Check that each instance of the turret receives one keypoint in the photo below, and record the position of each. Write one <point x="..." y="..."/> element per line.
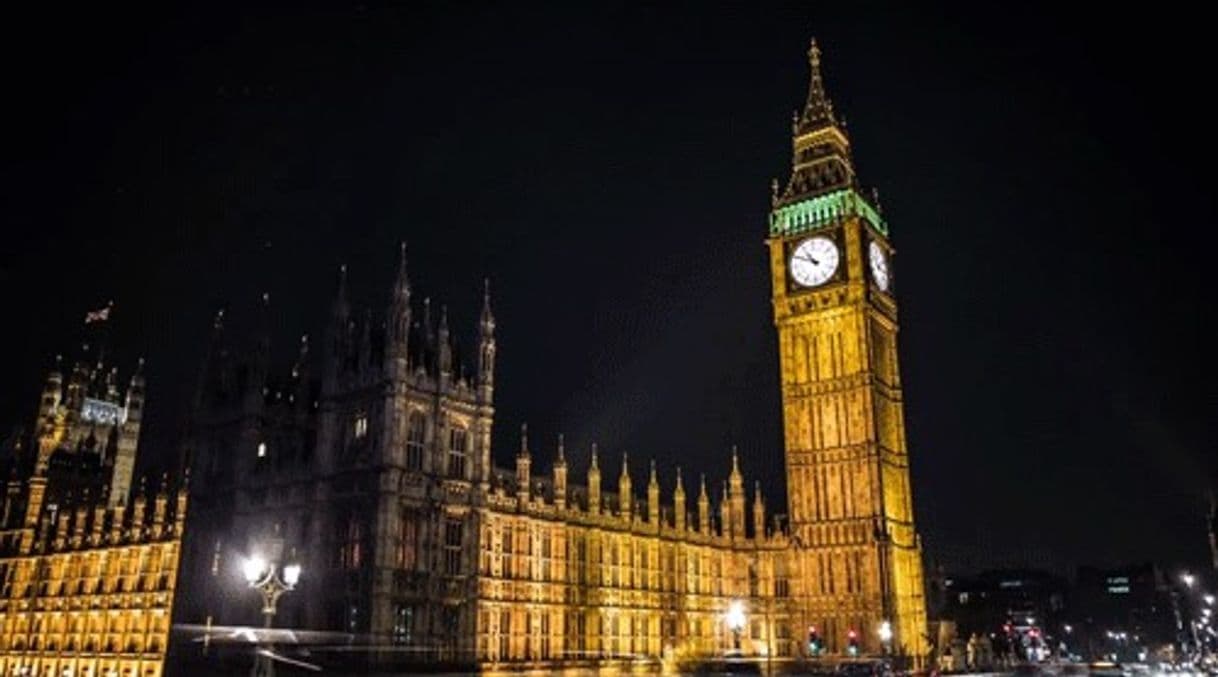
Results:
<point x="99" y="518"/>
<point x="678" y="503"/>
<point x="560" y="477"/>
<point x="736" y="498"/>
<point x="210" y="378"/>
<point x="79" y="518"/>
<point x="703" y="507"/>
<point x="486" y="347"/>
<point x="337" y="337"/>
<point x="625" y="494"/>
<point x="112" y="385"/>
<point x="444" y="361"/>
<point x="653" y="497"/>
<point x="594" y="484"/>
<point x="758" y="513"/>
<point x="52" y="391"/>
<point x="523" y="466"/>
<point x="134" y="403"/>
<point x="397" y="329"/>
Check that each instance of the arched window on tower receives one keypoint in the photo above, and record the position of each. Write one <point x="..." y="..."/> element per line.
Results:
<point x="458" y="441"/>
<point x="416" y="434"/>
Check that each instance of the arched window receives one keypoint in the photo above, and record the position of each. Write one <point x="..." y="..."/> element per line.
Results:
<point x="416" y="433"/>
<point x="458" y="441"/>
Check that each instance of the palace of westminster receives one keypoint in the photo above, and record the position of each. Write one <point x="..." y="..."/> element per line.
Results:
<point x="369" y="463"/>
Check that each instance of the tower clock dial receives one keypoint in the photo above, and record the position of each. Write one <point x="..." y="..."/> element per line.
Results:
<point x="879" y="265"/>
<point x="814" y="261"/>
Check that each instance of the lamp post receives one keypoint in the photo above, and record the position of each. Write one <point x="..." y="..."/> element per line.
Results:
<point x="736" y="620"/>
<point x="885" y="633"/>
<point x="272" y="580"/>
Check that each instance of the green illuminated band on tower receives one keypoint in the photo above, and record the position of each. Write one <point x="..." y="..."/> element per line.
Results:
<point x="824" y="210"/>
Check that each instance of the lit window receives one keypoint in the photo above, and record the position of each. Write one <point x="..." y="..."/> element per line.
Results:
<point x="964" y="598"/>
<point x="360" y="428"/>
<point x="403" y="624"/>
<point x="262" y="450"/>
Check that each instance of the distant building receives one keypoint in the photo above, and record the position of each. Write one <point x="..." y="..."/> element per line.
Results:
<point x="1122" y="611"/>
<point x="88" y="571"/>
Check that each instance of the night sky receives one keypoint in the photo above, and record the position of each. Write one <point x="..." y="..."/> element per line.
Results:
<point x="1048" y="180"/>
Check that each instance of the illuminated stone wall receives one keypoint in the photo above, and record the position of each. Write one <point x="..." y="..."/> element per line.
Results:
<point x="856" y="550"/>
<point x="88" y="588"/>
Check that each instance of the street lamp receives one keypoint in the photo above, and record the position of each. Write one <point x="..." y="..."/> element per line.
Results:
<point x="1188" y="579"/>
<point x="885" y="633"/>
<point x="271" y="580"/>
<point x="1209" y="599"/>
<point x="735" y="620"/>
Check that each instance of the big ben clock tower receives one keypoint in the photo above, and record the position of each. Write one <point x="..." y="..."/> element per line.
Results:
<point x="857" y="555"/>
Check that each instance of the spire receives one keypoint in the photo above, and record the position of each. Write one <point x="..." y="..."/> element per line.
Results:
<point x="678" y="503"/>
<point x="486" y="320"/>
<point x="339" y="310"/>
<point x="594" y="484"/>
<point x="703" y="507"/>
<point x="821" y="159"/>
<point x="401" y="285"/>
<point x="735" y="464"/>
<point x="560" y="476"/>
<point x="428" y="336"/>
<point x="818" y="110"/>
<point x="445" y="359"/>
<point x="398" y="320"/>
<point x="625" y="494"/>
<point x="653" y="497"/>
<point x="486" y="343"/>
<point x="523" y="465"/>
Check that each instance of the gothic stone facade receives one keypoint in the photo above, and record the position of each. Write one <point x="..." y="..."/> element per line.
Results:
<point x="88" y="575"/>
<point x="377" y="477"/>
<point x="857" y="553"/>
<point x="371" y="459"/>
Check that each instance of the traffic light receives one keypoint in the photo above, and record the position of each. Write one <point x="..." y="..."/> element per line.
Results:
<point x="814" y="644"/>
<point x="852" y="642"/>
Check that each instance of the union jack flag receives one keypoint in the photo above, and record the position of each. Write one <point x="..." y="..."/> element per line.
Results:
<point x="99" y="315"/>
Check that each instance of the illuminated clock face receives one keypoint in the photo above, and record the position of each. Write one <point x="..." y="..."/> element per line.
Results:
<point x="879" y="265"/>
<point x="814" y="261"/>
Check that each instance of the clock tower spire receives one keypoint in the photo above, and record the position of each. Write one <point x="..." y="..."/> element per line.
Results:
<point x="857" y="558"/>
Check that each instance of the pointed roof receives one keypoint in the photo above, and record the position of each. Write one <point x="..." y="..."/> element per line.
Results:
<point x="486" y="320"/>
<point x="401" y="284"/>
<point x="818" y="110"/>
<point x="340" y="309"/>
<point x="821" y="164"/>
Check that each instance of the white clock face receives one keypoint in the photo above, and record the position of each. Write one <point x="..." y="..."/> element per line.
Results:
<point x="879" y="265"/>
<point x="814" y="261"/>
